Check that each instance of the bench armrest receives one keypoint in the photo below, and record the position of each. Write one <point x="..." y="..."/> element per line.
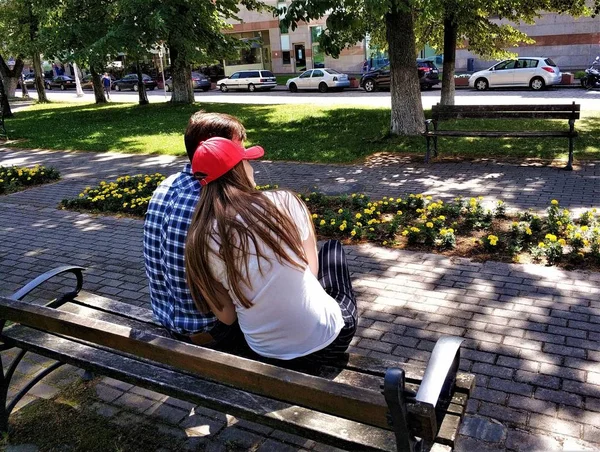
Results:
<point x="441" y="370"/>
<point x="30" y="286"/>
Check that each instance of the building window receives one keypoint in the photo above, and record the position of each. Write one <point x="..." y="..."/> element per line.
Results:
<point x="286" y="56"/>
<point x="318" y="56"/>
<point x="282" y="7"/>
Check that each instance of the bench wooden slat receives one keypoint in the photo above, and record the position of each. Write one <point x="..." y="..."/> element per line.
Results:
<point x="349" y="402"/>
<point x="499" y="134"/>
<point x="279" y="415"/>
<point x="115" y="307"/>
<point x="446" y="115"/>
<point x="535" y="107"/>
<point x="91" y="313"/>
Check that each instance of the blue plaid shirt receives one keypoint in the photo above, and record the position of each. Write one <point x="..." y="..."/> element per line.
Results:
<point x="167" y="221"/>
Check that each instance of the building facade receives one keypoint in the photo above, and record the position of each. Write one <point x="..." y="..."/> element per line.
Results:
<point x="571" y="42"/>
<point x="284" y="51"/>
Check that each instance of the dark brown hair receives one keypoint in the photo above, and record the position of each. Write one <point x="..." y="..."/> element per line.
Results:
<point x="203" y="126"/>
<point x="232" y="212"/>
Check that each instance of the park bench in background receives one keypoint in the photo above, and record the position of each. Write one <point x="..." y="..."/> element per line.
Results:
<point x="441" y="113"/>
<point x="340" y="404"/>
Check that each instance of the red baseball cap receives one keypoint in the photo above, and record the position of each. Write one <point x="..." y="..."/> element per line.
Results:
<point x="217" y="155"/>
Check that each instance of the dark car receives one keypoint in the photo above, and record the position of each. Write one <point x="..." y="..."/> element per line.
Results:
<point x="61" y="81"/>
<point x="199" y="81"/>
<point x="86" y="81"/>
<point x="380" y="78"/>
<point x="130" y="81"/>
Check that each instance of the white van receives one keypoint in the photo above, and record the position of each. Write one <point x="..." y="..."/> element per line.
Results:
<point x="250" y="80"/>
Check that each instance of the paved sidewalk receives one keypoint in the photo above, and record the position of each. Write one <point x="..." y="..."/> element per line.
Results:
<point x="532" y="332"/>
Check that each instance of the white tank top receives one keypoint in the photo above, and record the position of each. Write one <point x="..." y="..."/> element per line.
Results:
<point x="291" y="314"/>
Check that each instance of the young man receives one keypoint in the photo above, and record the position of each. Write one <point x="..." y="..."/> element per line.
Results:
<point x="165" y="229"/>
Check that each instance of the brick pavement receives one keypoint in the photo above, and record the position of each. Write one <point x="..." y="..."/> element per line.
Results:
<point x="532" y="333"/>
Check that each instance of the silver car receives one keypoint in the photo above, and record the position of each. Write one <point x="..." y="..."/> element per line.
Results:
<point x="321" y="79"/>
<point x="536" y="73"/>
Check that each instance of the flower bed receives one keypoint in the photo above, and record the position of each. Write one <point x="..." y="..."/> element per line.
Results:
<point x="16" y="178"/>
<point x="461" y="227"/>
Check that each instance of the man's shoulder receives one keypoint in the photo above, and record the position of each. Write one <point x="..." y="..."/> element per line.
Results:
<point x="178" y="190"/>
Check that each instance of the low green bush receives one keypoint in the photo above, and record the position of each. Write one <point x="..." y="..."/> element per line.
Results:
<point x="16" y="178"/>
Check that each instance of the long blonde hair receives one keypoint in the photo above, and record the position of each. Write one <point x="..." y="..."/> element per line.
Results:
<point x="233" y="210"/>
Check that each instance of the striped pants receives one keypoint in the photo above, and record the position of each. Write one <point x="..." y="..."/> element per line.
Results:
<point x="335" y="279"/>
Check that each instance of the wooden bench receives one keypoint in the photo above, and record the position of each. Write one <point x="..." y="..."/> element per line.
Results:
<point x="359" y="403"/>
<point x="453" y="112"/>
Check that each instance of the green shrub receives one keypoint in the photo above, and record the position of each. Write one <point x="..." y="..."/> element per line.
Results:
<point x="15" y="178"/>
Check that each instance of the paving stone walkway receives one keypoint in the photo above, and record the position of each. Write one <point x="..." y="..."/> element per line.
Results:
<point x="532" y="332"/>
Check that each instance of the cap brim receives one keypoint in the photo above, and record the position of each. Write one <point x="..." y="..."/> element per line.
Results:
<point x="254" y="152"/>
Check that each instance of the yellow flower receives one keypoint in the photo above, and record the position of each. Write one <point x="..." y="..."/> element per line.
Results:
<point x="322" y="223"/>
<point x="307" y="199"/>
<point x="584" y="228"/>
<point x="442" y="218"/>
<point x="541" y="245"/>
<point x="405" y="232"/>
<point x="515" y="224"/>
<point x="398" y="199"/>
<point x="358" y="216"/>
<point x="428" y="197"/>
<point x="493" y="239"/>
<point x="562" y="242"/>
<point x="554" y="202"/>
<point x="384" y="242"/>
<point x="528" y="231"/>
<point x="371" y="229"/>
<point x="551" y="237"/>
<point x="580" y="254"/>
<point x="443" y="231"/>
<point x="414" y="229"/>
<point x="399" y="212"/>
<point x="586" y="242"/>
<point x="451" y="231"/>
<point x="341" y="211"/>
<point x="429" y="224"/>
<point x="353" y="233"/>
<point x="342" y="227"/>
<point x="314" y="215"/>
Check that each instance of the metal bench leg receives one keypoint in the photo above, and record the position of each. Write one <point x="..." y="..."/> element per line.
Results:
<point x="396" y="399"/>
<point x="435" y="149"/>
<point x="569" y="166"/>
<point x="5" y="378"/>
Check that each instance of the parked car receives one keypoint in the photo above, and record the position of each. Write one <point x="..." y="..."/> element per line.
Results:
<point x="130" y="81"/>
<point x="380" y="78"/>
<point x="321" y="79"/>
<point x="199" y="81"/>
<point x="534" y="72"/>
<point x="250" y="80"/>
<point x="61" y="81"/>
<point x="29" y="80"/>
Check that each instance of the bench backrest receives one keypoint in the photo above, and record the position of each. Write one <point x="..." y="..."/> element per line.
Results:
<point x="553" y="111"/>
<point x="345" y="399"/>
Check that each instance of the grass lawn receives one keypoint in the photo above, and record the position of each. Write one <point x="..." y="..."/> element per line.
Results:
<point x="308" y="133"/>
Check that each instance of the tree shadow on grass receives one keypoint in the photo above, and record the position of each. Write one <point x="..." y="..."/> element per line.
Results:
<point x="295" y="133"/>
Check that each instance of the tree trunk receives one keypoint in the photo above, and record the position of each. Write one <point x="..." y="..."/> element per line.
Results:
<point x="39" y="78"/>
<point x="141" y="88"/>
<point x="407" y="109"/>
<point x="450" y="34"/>
<point x="7" y="113"/>
<point x="181" y="71"/>
<point x="11" y="76"/>
<point x="97" y="84"/>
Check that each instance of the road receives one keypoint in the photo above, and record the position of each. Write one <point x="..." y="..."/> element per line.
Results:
<point x="589" y="100"/>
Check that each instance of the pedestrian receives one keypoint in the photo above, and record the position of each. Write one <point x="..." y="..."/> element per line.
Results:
<point x="166" y="226"/>
<point x="106" y="82"/>
<point x="251" y="258"/>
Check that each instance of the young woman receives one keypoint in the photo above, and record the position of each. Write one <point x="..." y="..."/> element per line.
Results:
<point x="252" y="256"/>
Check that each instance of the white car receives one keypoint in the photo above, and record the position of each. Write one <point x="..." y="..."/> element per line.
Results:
<point x="537" y="73"/>
<point x="321" y="79"/>
<point x="250" y="80"/>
